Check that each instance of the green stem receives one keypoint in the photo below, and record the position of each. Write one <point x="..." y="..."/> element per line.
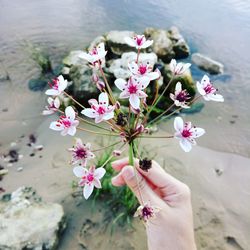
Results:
<point x="131" y="153"/>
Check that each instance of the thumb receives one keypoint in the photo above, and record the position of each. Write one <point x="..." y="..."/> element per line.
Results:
<point x="138" y="185"/>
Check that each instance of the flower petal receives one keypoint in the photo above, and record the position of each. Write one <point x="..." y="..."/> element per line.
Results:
<point x="108" y="115"/>
<point x="52" y="92"/>
<point x="147" y="44"/>
<point x="133" y="67"/>
<point x="120" y="84"/>
<point x="197" y="132"/>
<point x="97" y="183"/>
<point x="178" y="87"/>
<point x="172" y="65"/>
<point x="71" y="130"/>
<point x="91" y="113"/>
<point x="205" y="81"/>
<point x="93" y="102"/>
<point x="144" y="82"/>
<point x="153" y="75"/>
<point x="131" y="42"/>
<point x="99" y="173"/>
<point x="103" y="99"/>
<point x="70" y="113"/>
<point x="99" y="118"/>
<point x="185" y="145"/>
<point x="87" y="190"/>
<point x="134" y="101"/>
<point x="48" y="112"/>
<point x="178" y="124"/>
<point x="57" y="102"/>
<point x="216" y="97"/>
<point x="80" y="171"/>
<point x="57" y="126"/>
<point x="124" y="94"/>
<point x="200" y="88"/>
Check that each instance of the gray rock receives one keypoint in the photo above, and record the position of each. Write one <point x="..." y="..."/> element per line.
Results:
<point x="116" y="43"/>
<point x="4" y="76"/>
<point x="119" y="67"/>
<point x="29" y="223"/>
<point x="74" y="59"/>
<point x="37" y="84"/>
<point x="65" y="70"/>
<point x="162" y="45"/>
<point x="180" y="46"/>
<point x="96" y="41"/>
<point x="83" y="87"/>
<point x="207" y="64"/>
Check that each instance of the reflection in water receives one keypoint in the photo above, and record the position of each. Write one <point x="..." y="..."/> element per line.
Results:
<point x="220" y="29"/>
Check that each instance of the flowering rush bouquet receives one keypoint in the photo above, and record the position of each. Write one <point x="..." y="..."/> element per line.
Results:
<point x="128" y="123"/>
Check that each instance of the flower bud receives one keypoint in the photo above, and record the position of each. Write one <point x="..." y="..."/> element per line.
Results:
<point x="140" y="128"/>
<point x="117" y="105"/>
<point x="100" y="85"/>
<point x="135" y="111"/>
<point x="117" y="152"/>
<point x="95" y="78"/>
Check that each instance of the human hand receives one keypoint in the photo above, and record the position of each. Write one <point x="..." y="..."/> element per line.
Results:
<point x="172" y="227"/>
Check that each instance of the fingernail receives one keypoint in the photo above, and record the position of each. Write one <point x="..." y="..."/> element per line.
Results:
<point x="128" y="172"/>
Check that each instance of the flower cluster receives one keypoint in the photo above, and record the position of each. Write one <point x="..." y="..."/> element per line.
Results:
<point x="126" y="124"/>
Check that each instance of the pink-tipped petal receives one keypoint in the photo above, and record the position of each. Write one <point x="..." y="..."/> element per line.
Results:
<point x="70" y="113"/>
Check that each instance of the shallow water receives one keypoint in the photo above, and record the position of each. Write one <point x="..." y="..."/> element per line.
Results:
<point x="220" y="29"/>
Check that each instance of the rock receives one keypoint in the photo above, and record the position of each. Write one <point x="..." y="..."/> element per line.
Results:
<point x="4" y="76"/>
<point x="180" y="46"/>
<point x="162" y="45"/>
<point x="37" y="84"/>
<point x="116" y="43"/>
<point x="207" y="64"/>
<point x="42" y="59"/>
<point x="74" y="59"/>
<point x="96" y="41"/>
<point x="119" y="67"/>
<point x="65" y="70"/>
<point x="83" y="87"/>
<point x="29" y="223"/>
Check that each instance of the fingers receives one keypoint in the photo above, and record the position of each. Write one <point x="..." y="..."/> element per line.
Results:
<point x="156" y="175"/>
<point x="136" y="183"/>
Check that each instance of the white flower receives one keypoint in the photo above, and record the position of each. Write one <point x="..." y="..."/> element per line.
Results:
<point x="66" y="123"/>
<point x="81" y="153"/>
<point x="96" y="54"/>
<point x="89" y="178"/>
<point x="180" y="96"/>
<point x="143" y="69"/>
<point x="53" y="106"/>
<point x="207" y="90"/>
<point x="58" y="85"/>
<point x="133" y="89"/>
<point x="138" y="41"/>
<point x="100" y="111"/>
<point x="178" y="68"/>
<point x="186" y="133"/>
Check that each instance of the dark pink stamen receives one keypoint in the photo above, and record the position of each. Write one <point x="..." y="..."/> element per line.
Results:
<point x="132" y="89"/>
<point x="90" y="177"/>
<point x="142" y="69"/>
<point x="186" y="133"/>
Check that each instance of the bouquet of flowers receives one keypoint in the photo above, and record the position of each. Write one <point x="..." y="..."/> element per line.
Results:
<point x="128" y="123"/>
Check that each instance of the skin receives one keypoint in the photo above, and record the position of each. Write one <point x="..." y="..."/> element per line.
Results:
<point x="172" y="226"/>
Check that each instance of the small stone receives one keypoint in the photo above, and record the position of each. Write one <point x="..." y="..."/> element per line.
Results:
<point x="232" y="122"/>
<point x="207" y="64"/>
<point x="38" y="84"/>
<point x="65" y="70"/>
<point x="218" y="171"/>
<point x="5" y="110"/>
<point x="20" y="169"/>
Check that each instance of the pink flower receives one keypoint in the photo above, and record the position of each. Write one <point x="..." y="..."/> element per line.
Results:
<point x="100" y="111"/>
<point x="96" y="54"/>
<point x="146" y="212"/>
<point x="133" y="89"/>
<point x="143" y="70"/>
<point x="66" y="123"/>
<point x="178" y="68"/>
<point x="186" y="133"/>
<point x="81" y="153"/>
<point x="138" y="41"/>
<point x="208" y="91"/>
<point x="53" y="106"/>
<point x="180" y="96"/>
<point x="58" y="85"/>
<point x="89" y="178"/>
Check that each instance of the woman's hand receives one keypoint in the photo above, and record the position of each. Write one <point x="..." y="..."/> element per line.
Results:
<point x="172" y="226"/>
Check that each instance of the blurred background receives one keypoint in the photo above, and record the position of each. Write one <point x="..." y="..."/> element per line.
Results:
<point x="217" y="171"/>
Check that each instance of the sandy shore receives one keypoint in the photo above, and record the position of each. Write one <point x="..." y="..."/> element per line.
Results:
<point x="219" y="183"/>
